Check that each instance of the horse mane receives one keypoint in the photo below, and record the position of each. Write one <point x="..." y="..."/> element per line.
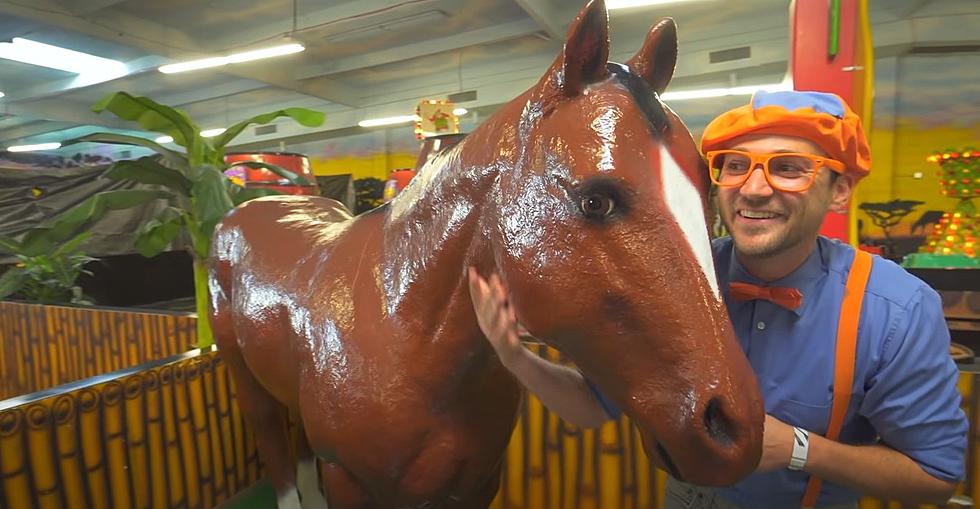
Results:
<point x="646" y="98"/>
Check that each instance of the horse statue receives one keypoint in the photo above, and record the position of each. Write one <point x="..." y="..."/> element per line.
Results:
<point x="587" y="195"/>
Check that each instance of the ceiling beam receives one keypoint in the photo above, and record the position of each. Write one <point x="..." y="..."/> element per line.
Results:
<point x="546" y="15"/>
<point x="219" y="91"/>
<point x="86" y="7"/>
<point x="33" y="128"/>
<point x="486" y="35"/>
<point x="113" y="26"/>
<point x="60" y="87"/>
<point x="63" y="111"/>
<point x="280" y="74"/>
<point x="315" y="20"/>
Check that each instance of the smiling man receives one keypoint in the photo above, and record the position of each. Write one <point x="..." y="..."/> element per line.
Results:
<point x="859" y="387"/>
<point x="780" y="163"/>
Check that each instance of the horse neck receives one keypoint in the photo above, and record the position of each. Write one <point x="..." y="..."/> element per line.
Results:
<point x="431" y="235"/>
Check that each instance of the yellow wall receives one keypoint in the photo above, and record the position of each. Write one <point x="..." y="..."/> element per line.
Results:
<point x="377" y="165"/>
<point x="897" y="154"/>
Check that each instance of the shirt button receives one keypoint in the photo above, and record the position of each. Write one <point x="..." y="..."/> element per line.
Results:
<point x="761" y="326"/>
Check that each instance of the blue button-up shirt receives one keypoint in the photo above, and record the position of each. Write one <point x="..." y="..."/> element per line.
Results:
<point x="905" y="382"/>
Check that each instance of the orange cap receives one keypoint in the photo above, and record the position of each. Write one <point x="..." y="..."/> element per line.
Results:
<point x="820" y="117"/>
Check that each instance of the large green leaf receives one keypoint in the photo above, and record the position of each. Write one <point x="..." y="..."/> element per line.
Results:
<point x="73" y="244"/>
<point x="40" y="240"/>
<point x="151" y="115"/>
<point x="176" y="159"/>
<point x="243" y="195"/>
<point x="66" y="224"/>
<point x="293" y="178"/>
<point x="11" y="281"/>
<point x="210" y="199"/>
<point x="306" y="117"/>
<point x="9" y="245"/>
<point x="160" y="232"/>
<point x="147" y="170"/>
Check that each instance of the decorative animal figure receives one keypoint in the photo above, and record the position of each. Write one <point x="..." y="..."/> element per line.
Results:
<point x="587" y="195"/>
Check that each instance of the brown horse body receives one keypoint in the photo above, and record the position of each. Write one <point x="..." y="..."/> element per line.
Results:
<point x="587" y="195"/>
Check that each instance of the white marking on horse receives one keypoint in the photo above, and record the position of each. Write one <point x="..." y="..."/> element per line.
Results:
<point x="684" y="202"/>
<point x="288" y="500"/>
<point x="307" y="482"/>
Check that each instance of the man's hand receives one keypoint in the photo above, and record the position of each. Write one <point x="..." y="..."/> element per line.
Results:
<point x="777" y="445"/>
<point x="495" y="316"/>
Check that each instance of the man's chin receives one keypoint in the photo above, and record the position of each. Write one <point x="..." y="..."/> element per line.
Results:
<point x="757" y="246"/>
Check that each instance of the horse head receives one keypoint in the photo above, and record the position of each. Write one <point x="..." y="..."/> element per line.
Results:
<point x="596" y="222"/>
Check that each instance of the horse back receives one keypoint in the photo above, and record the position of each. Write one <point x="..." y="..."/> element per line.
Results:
<point x="264" y="256"/>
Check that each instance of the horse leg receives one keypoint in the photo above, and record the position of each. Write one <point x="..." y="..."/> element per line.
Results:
<point x="343" y="490"/>
<point x="268" y="420"/>
<point x="307" y="479"/>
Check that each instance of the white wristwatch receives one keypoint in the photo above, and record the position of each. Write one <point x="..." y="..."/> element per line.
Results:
<point x="801" y="447"/>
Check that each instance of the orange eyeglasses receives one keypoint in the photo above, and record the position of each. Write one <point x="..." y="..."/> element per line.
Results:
<point x="793" y="172"/>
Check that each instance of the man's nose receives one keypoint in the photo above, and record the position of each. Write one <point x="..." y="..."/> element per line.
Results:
<point x="756" y="184"/>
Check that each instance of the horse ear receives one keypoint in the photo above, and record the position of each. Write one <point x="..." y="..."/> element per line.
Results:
<point x="586" y="50"/>
<point x="656" y="59"/>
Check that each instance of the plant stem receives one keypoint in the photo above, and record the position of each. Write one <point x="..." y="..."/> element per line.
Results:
<point x="204" y="336"/>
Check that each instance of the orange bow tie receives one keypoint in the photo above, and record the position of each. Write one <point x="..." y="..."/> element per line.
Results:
<point x="789" y="298"/>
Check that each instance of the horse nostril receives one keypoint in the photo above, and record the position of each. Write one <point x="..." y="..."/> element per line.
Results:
<point x="717" y="424"/>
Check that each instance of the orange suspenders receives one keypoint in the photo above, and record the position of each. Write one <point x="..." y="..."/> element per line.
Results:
<point x="846" y="352"/>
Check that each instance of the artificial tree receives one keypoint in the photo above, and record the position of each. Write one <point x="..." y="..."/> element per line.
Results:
<point x="953" y="240"/>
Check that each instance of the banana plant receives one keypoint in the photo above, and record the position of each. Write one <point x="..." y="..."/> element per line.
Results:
<point x="198" y="190"/>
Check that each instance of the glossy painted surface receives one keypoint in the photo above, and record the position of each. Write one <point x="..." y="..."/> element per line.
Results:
<point x="587" y="195"/>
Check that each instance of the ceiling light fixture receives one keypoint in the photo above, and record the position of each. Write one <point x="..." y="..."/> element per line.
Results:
<point x="234" y="58"/>
<point x="683" y="95"/>
<point x="207" y="133"/>
<point x="56" y="57"/>
<point x="375" y="122"/>
<point x="627" y="4"/>
<point x="459" y="112"/>
<point x="32" y="148"/>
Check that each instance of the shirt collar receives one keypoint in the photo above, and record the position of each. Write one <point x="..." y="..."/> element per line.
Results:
<point x="805" y="278"/>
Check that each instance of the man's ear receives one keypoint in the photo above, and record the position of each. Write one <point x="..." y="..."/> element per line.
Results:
<point x="840" y="193"/>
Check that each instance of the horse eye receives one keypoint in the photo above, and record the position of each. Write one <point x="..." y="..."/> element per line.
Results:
<point x="597" y="206"/>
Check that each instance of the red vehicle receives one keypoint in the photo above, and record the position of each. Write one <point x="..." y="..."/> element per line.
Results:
<point x="266" y="179"/>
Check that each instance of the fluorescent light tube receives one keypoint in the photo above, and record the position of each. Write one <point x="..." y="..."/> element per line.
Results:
<point x="234" y="58"/>
<point x="375" y="122"/>
<point x="682" y="95"/>
<point x="164" y="139"/>
<point x="32" y="148"/>
<point x="275" y="51"/>
<point x="55" y="57"/>
<point x="193" y="65"/>
<point x="207" y="133"/>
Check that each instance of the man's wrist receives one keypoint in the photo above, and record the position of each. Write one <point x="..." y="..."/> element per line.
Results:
<point x="801" y="449"/>
<point x="516" y="360"/>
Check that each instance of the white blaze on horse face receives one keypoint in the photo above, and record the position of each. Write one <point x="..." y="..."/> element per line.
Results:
<point x="684" y="202"/>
